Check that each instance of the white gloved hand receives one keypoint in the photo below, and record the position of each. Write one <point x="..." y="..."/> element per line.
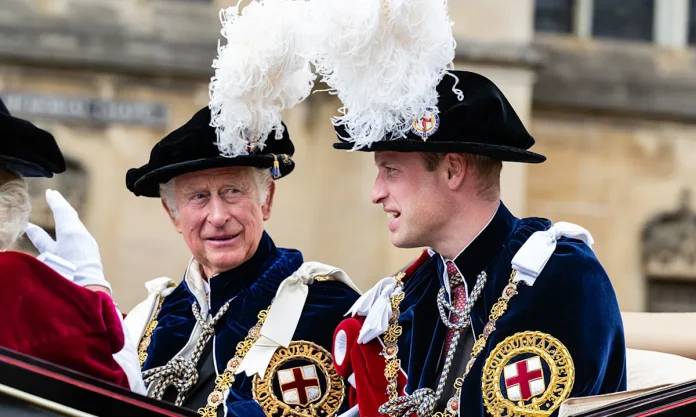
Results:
<point x="73" y="242"/>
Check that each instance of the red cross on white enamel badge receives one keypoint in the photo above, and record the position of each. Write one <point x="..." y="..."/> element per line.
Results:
<point x="524" y="379"/>
<point x="426" y="125"/>
<point x="426" y="122"/>
<point x="300" y="386"/>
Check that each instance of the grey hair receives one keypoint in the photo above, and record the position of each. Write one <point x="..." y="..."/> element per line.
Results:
<point x="15" y="208"/>
<point x="262" y="180"/>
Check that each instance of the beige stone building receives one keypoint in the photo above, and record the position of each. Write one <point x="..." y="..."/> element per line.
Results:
<point x="605" y="87"/>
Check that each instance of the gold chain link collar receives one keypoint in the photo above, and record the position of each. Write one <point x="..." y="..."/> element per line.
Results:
<point x="391" y="349"/>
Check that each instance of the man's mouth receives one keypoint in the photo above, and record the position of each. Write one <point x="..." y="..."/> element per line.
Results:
<point x="391" y="215"/>
<point x="222" y="238"/>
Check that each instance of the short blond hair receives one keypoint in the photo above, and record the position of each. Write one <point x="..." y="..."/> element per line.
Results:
<point x="15" y="207"/>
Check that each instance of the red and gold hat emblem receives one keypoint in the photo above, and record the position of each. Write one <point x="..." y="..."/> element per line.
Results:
<point x="427" y="125"/>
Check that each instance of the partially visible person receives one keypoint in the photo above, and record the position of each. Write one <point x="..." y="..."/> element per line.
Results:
<point x="48" y="307"/>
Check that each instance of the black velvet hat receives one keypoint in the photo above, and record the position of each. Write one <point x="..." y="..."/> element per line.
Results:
<point x="192" y="147"/>
<point x="26" y="149"/>
<point x="483" y="123"/>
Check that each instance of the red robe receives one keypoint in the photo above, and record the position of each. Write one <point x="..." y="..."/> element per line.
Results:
<point x="48" y="317"/>
<point x="364" y="363"/>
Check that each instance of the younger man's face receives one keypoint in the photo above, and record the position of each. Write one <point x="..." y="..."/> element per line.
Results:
<point x="413" y="198"/>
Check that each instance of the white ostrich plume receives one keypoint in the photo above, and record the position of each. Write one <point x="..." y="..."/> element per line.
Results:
<point x="262" y="70"/>
<point x="384" y="60"/>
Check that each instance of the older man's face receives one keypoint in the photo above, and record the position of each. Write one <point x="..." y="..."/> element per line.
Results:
<point x="220" y="216"/>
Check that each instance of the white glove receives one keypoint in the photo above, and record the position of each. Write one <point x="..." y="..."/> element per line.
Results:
<point x="73" y="242"/>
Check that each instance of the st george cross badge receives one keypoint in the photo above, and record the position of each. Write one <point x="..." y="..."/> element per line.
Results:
<point x="301" y="381"/>
<point x="427" y="125"/>
<point x="300" y="385"/>
<point x="528" y="374"/>
<point x="524" y="379"/>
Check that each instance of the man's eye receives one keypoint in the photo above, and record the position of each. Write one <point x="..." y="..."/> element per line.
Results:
<point x="199" y="196"/>
<point x="389" y="170"/>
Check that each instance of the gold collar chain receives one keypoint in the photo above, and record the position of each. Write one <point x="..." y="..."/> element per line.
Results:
<point x="391" y="349"/>
<point x="147" y="336"/>
<point x="224" y="381"/>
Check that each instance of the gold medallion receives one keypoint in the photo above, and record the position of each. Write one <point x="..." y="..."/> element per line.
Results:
<point x="517" y="364"/>
<point x="300" y="386"/>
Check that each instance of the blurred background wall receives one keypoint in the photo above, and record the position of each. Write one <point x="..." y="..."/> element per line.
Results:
<point x="608" y="89"/>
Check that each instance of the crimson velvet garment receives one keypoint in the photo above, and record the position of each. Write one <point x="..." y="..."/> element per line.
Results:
<point x="572" y="300"/>
<point x="48" y="317"/>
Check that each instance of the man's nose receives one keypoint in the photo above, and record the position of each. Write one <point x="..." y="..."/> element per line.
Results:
<point x="218" y="215"/>
<point x="379" y="192"/>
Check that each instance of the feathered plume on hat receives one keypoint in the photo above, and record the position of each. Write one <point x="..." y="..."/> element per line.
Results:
<point x="262" y="70"/>
<point x="384" y="60"/>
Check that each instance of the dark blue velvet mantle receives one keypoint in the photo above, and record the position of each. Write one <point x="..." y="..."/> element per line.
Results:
<point x="572" y="300"/>
<point x="252" y="285"/>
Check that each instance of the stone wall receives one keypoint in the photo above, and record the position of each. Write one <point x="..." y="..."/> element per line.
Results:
<point x="617" y="121"/>
<point x="618" y="77"/>
<point x="611" y="175"/>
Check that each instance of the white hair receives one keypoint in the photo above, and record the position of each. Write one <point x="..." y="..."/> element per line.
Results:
<point x="262" y="180"/>
<point x="15" y="207"/>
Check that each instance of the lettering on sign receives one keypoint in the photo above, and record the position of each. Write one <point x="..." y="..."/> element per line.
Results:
<point x="85" y="109"/>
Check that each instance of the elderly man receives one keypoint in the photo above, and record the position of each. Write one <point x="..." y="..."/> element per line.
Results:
<point x="52" y="314"/>
<point x="236" y="336"/>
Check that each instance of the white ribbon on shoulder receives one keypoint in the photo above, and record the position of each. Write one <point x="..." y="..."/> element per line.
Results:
<point x="375" y="306"/>
<point x="532" y="257"/>
<point x="138" y="318"/>
<point x="284" y="314"/>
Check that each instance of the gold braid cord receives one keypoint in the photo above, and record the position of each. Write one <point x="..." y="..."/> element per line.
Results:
<point x="391" y="349"/>
<point x="224" y="381"/>
<point x="147" y="336"/>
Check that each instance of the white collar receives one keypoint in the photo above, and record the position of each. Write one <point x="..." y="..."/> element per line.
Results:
<point x="199" y="286"/>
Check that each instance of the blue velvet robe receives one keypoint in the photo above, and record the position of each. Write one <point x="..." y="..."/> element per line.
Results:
<point x="252" y="285"/>
<point x="572" y="300"/>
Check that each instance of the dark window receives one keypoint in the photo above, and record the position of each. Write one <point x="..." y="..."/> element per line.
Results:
<point x="553" y="16"/>
<point x="625" y="19"/>
<point x="692" y="22"/>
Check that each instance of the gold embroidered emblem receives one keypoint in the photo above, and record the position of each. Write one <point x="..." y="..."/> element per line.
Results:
<point x="517" y="363"/>
<point x="300" y="386"/>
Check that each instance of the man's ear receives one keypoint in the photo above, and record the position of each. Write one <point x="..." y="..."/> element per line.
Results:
<point x="455" y="166"/>
<point x="268" y="205"/>
<point x="173" y="217"/>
